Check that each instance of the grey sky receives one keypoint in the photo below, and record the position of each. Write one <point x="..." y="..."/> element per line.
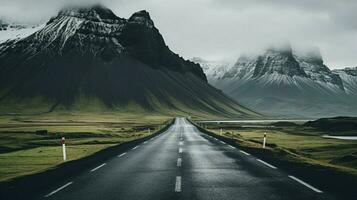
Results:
<point x="223" y="29"/>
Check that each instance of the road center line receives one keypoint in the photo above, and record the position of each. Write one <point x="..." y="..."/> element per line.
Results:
<point x="244" y="152"/>
<point x="305" y="184"/>
<point x="98" y="167"/>
<point x="179" y="162"/>
<point x="180" y="143"/>
<point x="180" y="150"/>
<point x="121" y="155"/>
<point x="267" y="164"/>
<point x="59" y="189"/>
<point x="178" y="184"/>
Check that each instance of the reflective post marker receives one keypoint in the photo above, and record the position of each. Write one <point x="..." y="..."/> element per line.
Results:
<point x="264" y="140"/>
<point x="221" y="132"/>
<point x="64" y="148"/>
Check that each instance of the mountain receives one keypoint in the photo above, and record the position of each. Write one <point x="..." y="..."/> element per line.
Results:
<point x="88" y="56"/>
<point x="289" y="83"/>
<point x="212" y="69"/>
<point x="349" y="79"/>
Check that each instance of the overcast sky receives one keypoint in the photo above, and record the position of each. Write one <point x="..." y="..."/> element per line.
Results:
<point x="223" y="29"/>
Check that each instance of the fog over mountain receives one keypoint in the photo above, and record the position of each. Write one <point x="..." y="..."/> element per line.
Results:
<point x="282" y="81"/>
<point x="216" y="29"/>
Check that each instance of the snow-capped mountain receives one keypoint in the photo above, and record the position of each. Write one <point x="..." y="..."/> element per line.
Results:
<point x="349" y="79"/>
<point x="90" y="53"/>
<point x="213" y="69"/>
<point x="289" y="83"/>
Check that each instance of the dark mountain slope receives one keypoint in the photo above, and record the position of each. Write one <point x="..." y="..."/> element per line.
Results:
<point x="92" y="53"/>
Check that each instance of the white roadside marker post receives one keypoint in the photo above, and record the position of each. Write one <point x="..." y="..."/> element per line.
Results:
<point x="264" y="140"/>
<point x="63" y="142"/>
<point x="149" y="130"/>
<point x="221" y="133"/>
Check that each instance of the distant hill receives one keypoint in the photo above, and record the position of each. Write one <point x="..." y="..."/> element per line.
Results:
<point x="89" y="58"/>
<point x="334" y="124"/>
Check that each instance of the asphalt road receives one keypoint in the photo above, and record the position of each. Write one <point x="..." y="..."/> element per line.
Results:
<point x="183" y="163"/>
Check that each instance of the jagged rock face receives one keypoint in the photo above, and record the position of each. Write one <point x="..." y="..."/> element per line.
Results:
<point x="92" y="52"/>
<point x="273" y="62"/>
<point x="312" y="64"/>
<point x="277" y="61"/>
<point x="288" y="83"/>
<point x="284" y="64"/>
<point x="98" y="32"/>
<point x="349" y="78"/>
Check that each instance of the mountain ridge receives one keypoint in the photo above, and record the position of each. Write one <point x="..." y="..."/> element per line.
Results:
<point x="90" y="52"/>
<point x="285" y="82"/>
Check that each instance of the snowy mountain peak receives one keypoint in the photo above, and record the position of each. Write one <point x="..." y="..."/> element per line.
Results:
<point x="212" y="69"/>
<point x="91" y="30"/>
<point x="94" y="13"/>
<point x="96" y="33"/>
<point x="278" y="60"/>
<point x="274" y="61"/>
<point x="278" y="64"/>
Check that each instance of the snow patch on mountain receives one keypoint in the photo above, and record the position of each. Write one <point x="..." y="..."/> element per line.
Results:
<point x="13" y="32"/>
<point x="349" y="78"/>
<point x="312" y="63"/>
<point x="213" y="69"/>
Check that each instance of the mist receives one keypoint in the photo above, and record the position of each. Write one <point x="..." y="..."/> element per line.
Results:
<point x="223" y="30"/>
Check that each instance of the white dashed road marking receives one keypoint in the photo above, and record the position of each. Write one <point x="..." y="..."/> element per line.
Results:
<point x="59" y="189"/>
<point x="267" y="164"/>
<point x="244" y="152"/>
<point x="178" y="184"/>
<point x="180" y="150"/>
<point x="121" y="155"/>
<point x="135" y="147"/>
<point x="179" y="162"/>
<point x="305" y="184"/>
<point x="98" y="167"/>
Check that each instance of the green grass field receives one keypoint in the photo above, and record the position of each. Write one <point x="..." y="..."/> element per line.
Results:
<point x="297" y="145"/>
<point x="24" y="152"/>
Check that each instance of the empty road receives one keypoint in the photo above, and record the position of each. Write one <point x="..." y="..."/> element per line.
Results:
<point x="183" y="163"/>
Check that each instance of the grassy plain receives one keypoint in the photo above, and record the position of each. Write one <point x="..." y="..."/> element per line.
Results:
<point x="25" y="151"/>
<point x="296" y="144"/>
